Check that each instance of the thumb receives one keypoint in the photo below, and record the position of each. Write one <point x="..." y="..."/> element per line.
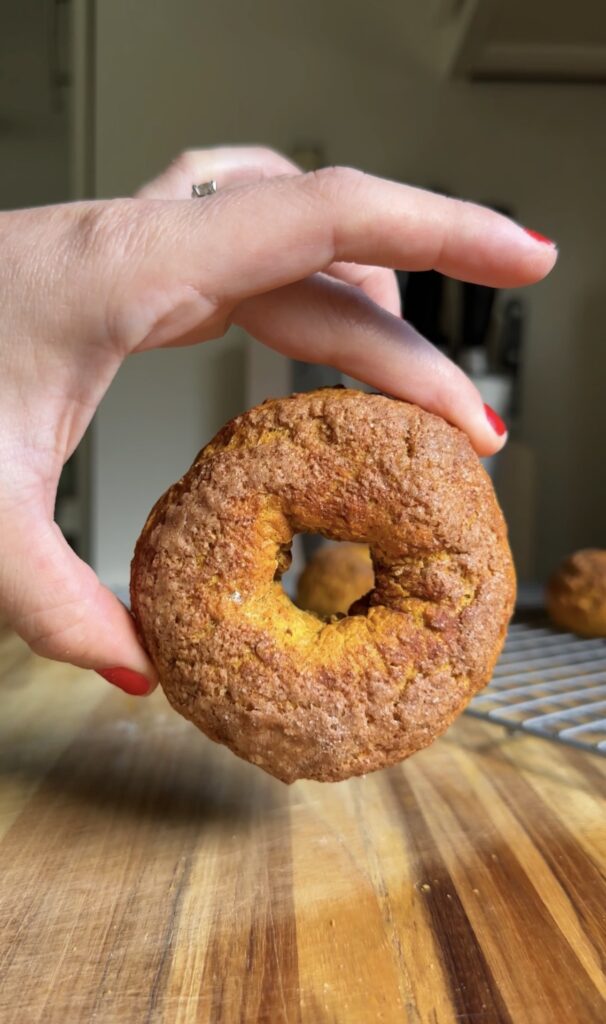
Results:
<point x="57" y="604"/>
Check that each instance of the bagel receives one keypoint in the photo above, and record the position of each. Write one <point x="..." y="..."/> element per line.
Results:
<point x="576" y="593"/>
<point x="298" y="696"/>
<point x="334" y="578"/>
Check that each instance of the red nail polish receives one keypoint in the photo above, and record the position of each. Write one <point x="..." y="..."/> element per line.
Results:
<point x="538" y="237"/>
<point x="495" y="421"/>
<point x="127" y="680"/>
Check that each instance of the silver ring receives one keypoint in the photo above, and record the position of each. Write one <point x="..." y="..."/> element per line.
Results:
<point x="207" y="188"/>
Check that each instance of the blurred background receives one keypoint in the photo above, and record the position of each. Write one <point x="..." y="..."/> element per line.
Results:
<point x="500" y="101"/>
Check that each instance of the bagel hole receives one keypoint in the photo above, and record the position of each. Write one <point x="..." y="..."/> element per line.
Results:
<point x="329" y="578"/>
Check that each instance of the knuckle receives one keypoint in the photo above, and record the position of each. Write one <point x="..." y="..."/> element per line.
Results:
<point x="91" y="226"/>
<point x="325" y="190"/>
<point x="110" y="228"/>
<point x="43" y="634"/>
<point x="45" y="646"/>
<point x="112" y="238"/>
<point x="54" y="632"/>
<point x="331" y="181"/>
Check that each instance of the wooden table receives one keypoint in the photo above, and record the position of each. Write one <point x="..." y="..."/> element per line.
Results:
<point x="148" y="875"/>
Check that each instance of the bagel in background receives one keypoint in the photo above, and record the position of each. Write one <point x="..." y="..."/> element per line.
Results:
<point x="576" y="593"/>
<point x="293" y="694"/>
<point x="336" y="576"/>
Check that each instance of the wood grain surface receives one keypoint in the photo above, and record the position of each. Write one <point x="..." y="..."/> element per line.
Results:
<point x="147" y="875"/>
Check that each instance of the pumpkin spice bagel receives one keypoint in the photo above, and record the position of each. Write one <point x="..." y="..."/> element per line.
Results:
<point x="576" y="593"/>
<point x="297" y="695"/>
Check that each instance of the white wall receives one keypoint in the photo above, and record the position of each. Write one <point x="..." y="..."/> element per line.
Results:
<point x="175" y="74"/>
<point x="158" y="413"/>
<point x="33" y="121"/>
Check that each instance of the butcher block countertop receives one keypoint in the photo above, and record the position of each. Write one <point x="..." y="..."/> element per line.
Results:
<point x="147" y="875"/>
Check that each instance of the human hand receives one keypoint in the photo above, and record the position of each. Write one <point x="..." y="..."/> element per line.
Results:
<point x="300" y="261"/>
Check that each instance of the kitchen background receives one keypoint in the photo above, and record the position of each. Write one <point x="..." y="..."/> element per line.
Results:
<point x="500" y="101"/>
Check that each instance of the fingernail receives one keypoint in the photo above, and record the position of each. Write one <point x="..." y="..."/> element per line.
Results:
<point x="538" y="237"/>
<point x="495" y="421"/>
<point x="127" y="680"/>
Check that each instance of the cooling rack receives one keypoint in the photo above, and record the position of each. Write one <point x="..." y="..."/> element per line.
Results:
<point x="550" y="684"/>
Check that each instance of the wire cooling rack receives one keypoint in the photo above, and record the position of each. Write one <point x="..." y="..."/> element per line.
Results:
<point x="550" y="684"/>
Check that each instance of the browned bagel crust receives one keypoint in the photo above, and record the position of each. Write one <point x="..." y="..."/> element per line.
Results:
<point x="576" y="593"/>
<point x="283" y="689"/>
<point x="335" y="577"/>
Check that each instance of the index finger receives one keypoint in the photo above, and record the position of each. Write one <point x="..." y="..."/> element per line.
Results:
<point x="234" y="166"/>
<point x="248" y="240"/>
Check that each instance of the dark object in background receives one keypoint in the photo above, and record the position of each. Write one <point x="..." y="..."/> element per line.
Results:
<point x="422" y="294"/>
<point x="476" y="315"/>
<point x="510" y="347"/>
<point x="476" y="319"/>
